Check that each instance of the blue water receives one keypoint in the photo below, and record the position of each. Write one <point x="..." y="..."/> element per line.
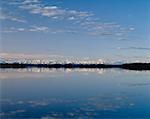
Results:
<point x="78" y="93"/>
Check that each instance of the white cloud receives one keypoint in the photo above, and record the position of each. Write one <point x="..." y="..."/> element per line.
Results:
<point x="35" y="28"/>
<point x="28" y="29"/>
<point x="71" y="18"/>
<point x="133" y="48"/>
<point x="85" y="21"/>
<point x="12" y="30"/>
<point x="131" y="28"/>
<point x="28" y="56"/>
<point x="11" y="18"/>
<point x="21" y="29"/>
<point x="39" y="28"/>
<point x="30" y="1"/>
<point x="52" y="11"/>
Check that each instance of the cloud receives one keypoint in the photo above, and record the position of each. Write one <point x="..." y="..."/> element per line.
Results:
<point x="133" y="48"/>
<point x="30" y="1"/>
<point x="39" y="28"/>
<point x="96" y="27"/>
<point x="131" y="28"/>
<point x="139" y="48"/>
<point x="29" y="29"/>
<point x="25" y="56"/>
<point x="83" y="21"/>
<point x="11" y="18"/>
<point x="52" y="11"/>
<point x="12" y="30"/>
<point x="42" y="29"/>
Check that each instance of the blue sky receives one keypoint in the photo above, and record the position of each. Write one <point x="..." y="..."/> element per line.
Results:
<point x="106" y="29"/>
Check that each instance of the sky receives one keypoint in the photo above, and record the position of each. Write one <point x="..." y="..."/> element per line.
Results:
<point x="112" y="30"/>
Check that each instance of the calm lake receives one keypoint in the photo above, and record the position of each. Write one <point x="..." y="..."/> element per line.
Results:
<point x="77" y="93"/>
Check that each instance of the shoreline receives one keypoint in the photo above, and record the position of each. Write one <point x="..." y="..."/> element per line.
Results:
<point x="129" y="66"/>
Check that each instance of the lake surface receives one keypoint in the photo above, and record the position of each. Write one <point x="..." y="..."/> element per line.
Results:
<point x="77" y="93"/>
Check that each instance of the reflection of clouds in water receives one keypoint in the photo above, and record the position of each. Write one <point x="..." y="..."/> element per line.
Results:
<point x="2" y="114"/>
<point x="38" y="103"/>
<point x="28" y="72"/>
<point x="44" y="72"/>
<point x="11" y="113"/>
<point x="53" y="72"/>
<point x="6" y="101"/>
<point x="84" y="107"/>
<point x="17" y="111"/>
<point x="106" y="103"/>
<point x="86" y="70"/>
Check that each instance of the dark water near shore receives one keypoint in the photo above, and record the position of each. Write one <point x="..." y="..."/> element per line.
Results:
<point x="77" y="93"/>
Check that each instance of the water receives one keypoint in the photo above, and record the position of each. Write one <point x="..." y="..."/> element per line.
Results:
<point x="77" y="93"/>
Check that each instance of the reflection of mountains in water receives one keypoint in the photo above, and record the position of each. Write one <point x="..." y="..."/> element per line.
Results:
<point x="130" y="66"/>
